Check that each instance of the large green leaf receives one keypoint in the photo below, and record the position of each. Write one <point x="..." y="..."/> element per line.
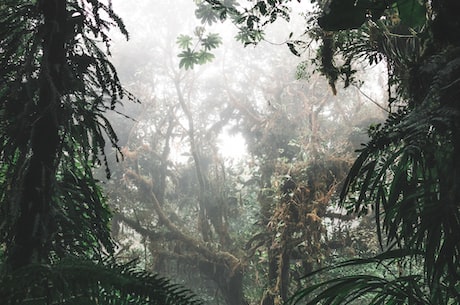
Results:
<point x="212" y="41"/>
<point x="184" y="41"/>
<point x="188" y="59"/>
<point x="411" y="12"/>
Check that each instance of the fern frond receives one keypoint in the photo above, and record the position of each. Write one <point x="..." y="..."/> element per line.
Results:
<point x="76" y="281"/>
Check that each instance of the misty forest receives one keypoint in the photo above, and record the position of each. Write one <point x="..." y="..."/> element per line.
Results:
<point x="223" y="152"/>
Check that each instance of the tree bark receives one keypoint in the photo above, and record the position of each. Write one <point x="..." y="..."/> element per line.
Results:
<point x="33" y="228"/>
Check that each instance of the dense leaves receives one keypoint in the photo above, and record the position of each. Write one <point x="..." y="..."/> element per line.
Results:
<point x="87" y="86"/>
<point x="347" y="15"/>
<point x="408" y="173"/>
<point x="56" y="87"/>
<point x="76" y="281"/>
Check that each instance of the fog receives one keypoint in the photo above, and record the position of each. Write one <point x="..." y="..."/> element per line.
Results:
<point x="230" y="169"/>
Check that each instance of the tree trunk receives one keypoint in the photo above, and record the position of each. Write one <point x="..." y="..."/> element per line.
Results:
<point x="229" y="279"/>
<point x="34" y="225"/>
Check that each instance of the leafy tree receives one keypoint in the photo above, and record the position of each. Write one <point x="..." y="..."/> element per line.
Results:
<point x="56" y="87"/>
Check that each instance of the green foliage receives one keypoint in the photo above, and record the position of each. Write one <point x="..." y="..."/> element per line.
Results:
<point x="88" y="88"/>
<point x="356" y="32"/>
<point x="75" y="281"/>
<point x="197" y="53"/>
<point x="89" y="219"/>
<point x="249" y="36"/>
<point x="411" y="12"/>
<point x="214" y="10"/>
<point x="211" y="41"/>
<point x="346" y="289"/>
<point x="250" y="22"/>
<point x="408" y="172"/>
<point x="188" y="59"/>
<point x="350" y="29"/>
<point x="206" y="14"/>
<point x="184" y="41"/>
<point x="191" y="58"/>
<point x="56" y="87"/>
<point x="405" y="170"/>
<point x="386" y="284"/>
<point x="350" y="14"/>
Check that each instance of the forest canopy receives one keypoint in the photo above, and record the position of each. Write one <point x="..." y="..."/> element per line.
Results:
<point x="342" y="196"/>
<point x="408" y="170"/>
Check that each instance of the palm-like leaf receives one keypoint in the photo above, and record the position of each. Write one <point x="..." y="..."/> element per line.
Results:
<point x="345" y="290"/>
<point x="75" y="281"/>
<point x="406" y="170"/>
<point x="410" y="173"/>
<point x="392" y="288"/>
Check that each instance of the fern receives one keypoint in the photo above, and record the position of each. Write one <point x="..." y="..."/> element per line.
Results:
<point x="77" y="281"/>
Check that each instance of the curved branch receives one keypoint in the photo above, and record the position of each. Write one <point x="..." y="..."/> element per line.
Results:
<point x="220" y="256"/>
